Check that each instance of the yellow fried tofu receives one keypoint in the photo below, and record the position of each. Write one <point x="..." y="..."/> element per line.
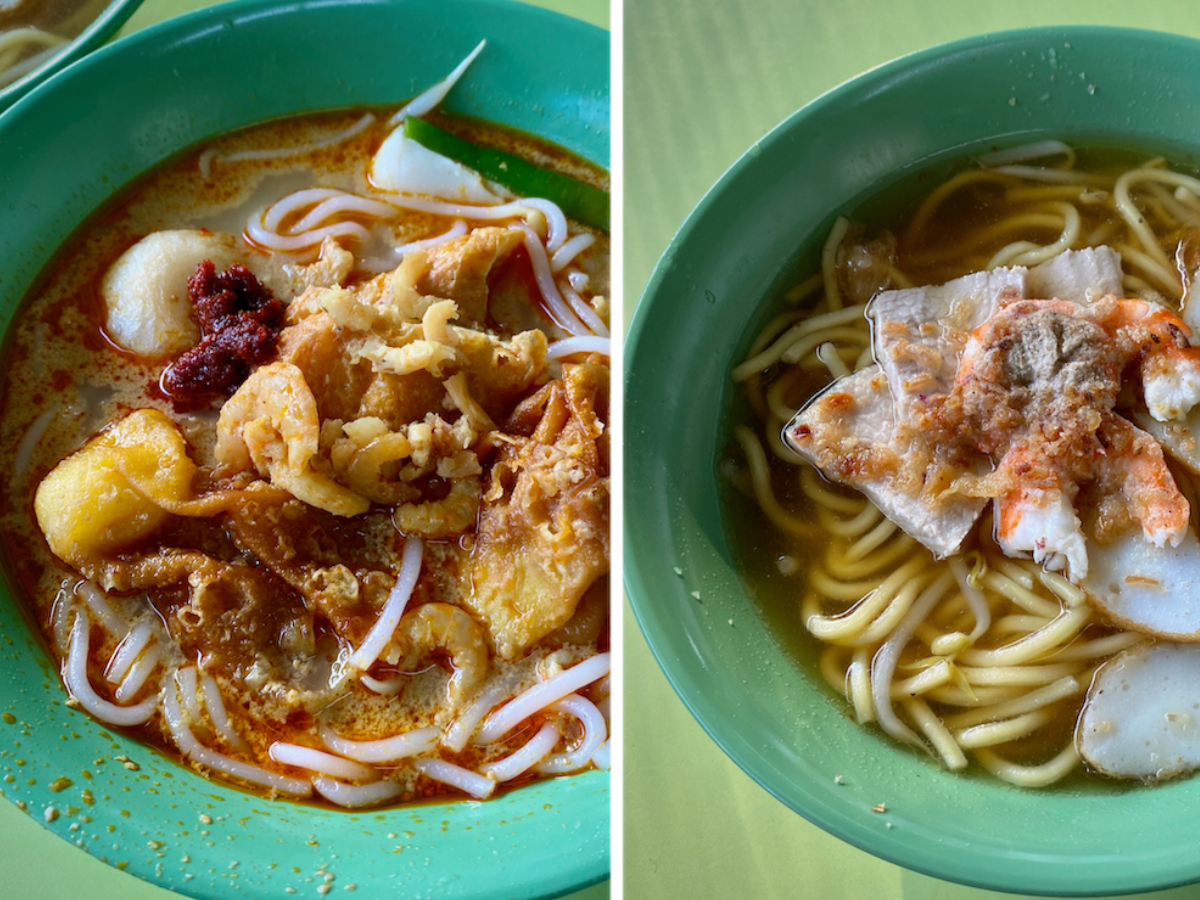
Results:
<point x="110" y="493"/>
<point x="543" y="531"/>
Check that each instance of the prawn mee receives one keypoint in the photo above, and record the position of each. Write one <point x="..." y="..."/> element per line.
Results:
<point x="982" y="419"/>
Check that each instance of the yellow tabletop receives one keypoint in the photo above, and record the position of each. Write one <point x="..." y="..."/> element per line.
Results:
<point x="34" y="863"/>
<point x="703" y="81"/>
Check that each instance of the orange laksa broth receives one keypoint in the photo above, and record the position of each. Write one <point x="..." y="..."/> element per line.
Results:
<point x="308" y="467"/>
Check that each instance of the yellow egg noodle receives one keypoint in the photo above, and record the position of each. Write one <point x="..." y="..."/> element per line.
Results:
<point x="978" y="655"/>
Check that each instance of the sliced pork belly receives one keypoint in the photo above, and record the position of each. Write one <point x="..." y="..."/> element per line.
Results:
<point x="1142" y="715"/>
<point x="920" y="332"/>
<point x="1153" y="590"/>
<point x="849" y="432"/>
<point x="1083" y="276"/>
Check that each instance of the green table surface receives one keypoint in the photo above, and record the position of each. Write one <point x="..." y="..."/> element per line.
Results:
<point x="38" y="864"/>
<point x="703" y="81"/>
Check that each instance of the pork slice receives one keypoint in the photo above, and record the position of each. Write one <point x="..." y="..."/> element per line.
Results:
<point x="1082" y="276"/>
<point x="849" y="433"/>
<point x="920" y="333"/>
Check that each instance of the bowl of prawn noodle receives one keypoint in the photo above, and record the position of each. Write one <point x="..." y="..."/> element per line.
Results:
<point x="38" y="39"/>
<point x="64" y="149"/>
<point x="756" y="233"/>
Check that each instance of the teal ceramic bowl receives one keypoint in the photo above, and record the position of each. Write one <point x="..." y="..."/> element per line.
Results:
<point x="67" y="147"/>
<point x="100" y="30"/>
<point x="758" y="227"/>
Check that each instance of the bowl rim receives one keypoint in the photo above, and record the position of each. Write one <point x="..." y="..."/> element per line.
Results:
<point x="100" y="29"/>
<point x="639" y="340"/>
<point x="583" y="859"/>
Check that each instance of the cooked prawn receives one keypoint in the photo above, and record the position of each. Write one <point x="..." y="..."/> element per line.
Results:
<point x="1035" y="391"/>
<point x="1168" y="364"/>
<point x="271" y="422"/>
<point x="442" y="626"/>
<point x="445" y="518"/>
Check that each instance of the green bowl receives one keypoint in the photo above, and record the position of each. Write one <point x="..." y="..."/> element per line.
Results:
<point x="100" y="30"/>
<point x="715" y="286"/>
<point x="64" y="149"/>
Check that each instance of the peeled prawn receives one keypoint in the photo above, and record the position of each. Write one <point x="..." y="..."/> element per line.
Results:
<point x="271" y="423"/>
<point x="443" y="626"/>
<point x="448" y="517"/>
<point x="1169" y="364"/>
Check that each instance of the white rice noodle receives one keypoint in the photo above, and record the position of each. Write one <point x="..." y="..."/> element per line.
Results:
<point x="595" y="733"/>
<point x="883" y="666"/>
<point x="139" y="673"/>
<point x="478" y="786"/>
<point x="60" y="619"/>
<point x="385" y="626"/>
<point x="558" y="308"/>
<point x="96" y="602"/>
<point x="33" y="437"/>
<point x="584" y="310"/>
<point x="1050" y="176"/>
<point x="1027" y="152"/>
<point x="320" y="762"/>
<point x="542" y="695"/>
<point x="566" y="254"/>
<point x="208" y="157"/>
<point x="505" y="212"/>
<point x="189" y="692"/>
<point x="388" y="750"/>
<point x="526" y="758"/>
<point x="128" y="651"/>
<point x="457" y="230"/>
<point x="299" y="242"/>
<point x="217" y="713"/>
<point x="356" y="796"/>
<point x="432" y="96"/>
<point x="198" y="753"/>
<point x="463" y="728"/>
<point x="293" y="203"/>
<point x="75" y="676"/>
<point x="602" y="758"/>
<point x="556" y="223"/>
<point x="387" y="687"/>
<point x="343" y="204"/>
<point x="584" y="343"/>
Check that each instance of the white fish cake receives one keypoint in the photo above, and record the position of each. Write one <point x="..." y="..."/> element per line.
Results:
<point x="145" y="290"/>
<point x="405" y="166"/>
<point x="1153" y="590"/>
<point x="1142" y="715"/>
